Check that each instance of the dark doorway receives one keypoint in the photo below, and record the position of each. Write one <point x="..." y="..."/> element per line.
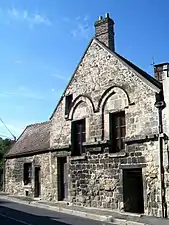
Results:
<point x="37" y="182"/>
<point x="62" y="179"/>
<point x="133" y="190"/>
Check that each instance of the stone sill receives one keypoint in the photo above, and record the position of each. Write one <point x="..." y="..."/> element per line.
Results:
<point x="118" y="154"/>
<point x="95" y="143"/>
<point x="61" y="147"/>
<point x="27" y="186"/>
<point x="81" y="157"/>
<point x="141" y="138"/>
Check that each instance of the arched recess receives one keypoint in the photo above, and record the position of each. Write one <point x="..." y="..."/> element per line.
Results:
<point x="108" y="93"/>
<point x="113" y="99"/>
<point x="79" y="100"/>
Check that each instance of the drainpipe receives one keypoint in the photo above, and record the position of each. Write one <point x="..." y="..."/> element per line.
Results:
<point x="160" y="105"/>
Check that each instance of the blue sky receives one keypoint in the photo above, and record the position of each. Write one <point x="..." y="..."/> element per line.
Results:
<point x="42" y="41"/>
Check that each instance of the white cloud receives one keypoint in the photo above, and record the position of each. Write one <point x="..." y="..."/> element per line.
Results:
<point x="18" y="62"/>
<point x="79" y="26"/>
<point x="59" y="76"/>
<point x="23" y="16"/>
<point x="24" y="93"/>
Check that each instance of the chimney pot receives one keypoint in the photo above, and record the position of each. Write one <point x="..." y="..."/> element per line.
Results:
<point x="100" y="17"/>
<point x="107" y="15"/>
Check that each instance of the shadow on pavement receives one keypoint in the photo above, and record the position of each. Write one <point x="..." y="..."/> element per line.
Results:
<point x="24" y="217"/>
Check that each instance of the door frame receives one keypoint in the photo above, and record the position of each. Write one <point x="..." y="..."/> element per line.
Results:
<point x="61" y="193"/>
<point x="39" y="173"/>
<point x="136" y="166"/>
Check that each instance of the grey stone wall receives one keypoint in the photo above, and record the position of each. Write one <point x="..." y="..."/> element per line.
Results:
<point x="48" y="175"/>
<point x="97" y="180"/>
<point x="99" y="71"/>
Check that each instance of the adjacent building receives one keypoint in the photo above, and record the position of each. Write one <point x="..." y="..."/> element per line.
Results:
<point x="106" y="143"/>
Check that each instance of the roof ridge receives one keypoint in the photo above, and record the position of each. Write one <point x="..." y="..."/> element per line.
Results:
<point x="40" y="123"/>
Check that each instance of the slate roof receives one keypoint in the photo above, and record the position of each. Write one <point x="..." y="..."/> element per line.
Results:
<point x="34" y="139"/>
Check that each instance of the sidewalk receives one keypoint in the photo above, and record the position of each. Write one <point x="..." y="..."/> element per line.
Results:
<point x="114" y="217"/>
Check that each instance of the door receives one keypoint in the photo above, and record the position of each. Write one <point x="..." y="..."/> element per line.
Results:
<point x="133" y="190"/>
<point x="37" y="182"/>
<point x="62" y="179"/>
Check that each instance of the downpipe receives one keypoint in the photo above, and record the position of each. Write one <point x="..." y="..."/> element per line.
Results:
<point x="160" y="106"/>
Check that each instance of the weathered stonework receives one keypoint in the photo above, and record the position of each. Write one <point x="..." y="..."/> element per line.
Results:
<point x="48" y="173"/>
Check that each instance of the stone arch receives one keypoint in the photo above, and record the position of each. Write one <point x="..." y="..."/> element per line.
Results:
<point x="79" y="100"/>
<point x="108" y="93"/>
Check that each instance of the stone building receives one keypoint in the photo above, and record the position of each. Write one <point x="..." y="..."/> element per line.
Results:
<point x="106" y="144"/>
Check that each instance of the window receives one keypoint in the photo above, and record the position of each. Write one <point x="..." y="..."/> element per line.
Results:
<point x="117" y="131"/>
<point x="78" y="137"/>
<point x="27" y="173"/>
<point x="68" y="102"/>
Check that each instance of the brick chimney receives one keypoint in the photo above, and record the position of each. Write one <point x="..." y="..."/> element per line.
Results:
<point x="104" y="31"/>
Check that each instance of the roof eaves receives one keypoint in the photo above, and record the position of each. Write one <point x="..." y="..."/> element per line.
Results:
<point x="20" y="154"/>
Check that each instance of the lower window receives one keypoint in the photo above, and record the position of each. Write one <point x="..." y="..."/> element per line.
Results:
<point x="78" y="137"/>
<point x="27" y="173"/>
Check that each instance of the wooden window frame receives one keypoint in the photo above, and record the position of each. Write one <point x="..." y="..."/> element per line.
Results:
<point x="78" y="137"/>
<point x="68" y="103"/>
<point x="117" y="131"/>
<point x="27" y="173"/>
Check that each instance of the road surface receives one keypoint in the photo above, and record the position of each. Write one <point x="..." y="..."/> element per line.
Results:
<point x="12" y="213"/>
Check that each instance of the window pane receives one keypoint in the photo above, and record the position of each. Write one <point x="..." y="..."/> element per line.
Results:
<point x="117" y="121"/>
<point x="122" y="144"/>
<point x="122" y="122"/>
<point x="27" y="173"/>
<point x="123" y="131"/>
<point x="118" y="131"/>
<point x="118" y="145"/>
<point x="79" y="136"/>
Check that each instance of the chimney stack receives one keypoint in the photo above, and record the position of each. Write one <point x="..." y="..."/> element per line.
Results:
<point x="104" y="31"/>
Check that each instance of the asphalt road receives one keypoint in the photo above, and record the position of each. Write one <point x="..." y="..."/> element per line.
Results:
<point x="12" y="213"/>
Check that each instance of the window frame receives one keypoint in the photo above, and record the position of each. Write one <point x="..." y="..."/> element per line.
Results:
<point x="75" y="141"/>
<point x="27" y="173"/>
<point x="68" y="103"/>
<point x="117" y="131"/>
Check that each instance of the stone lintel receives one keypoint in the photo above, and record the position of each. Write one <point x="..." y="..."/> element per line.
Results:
<point x="76" y="158"/>
<point x="132" y="166"/>
<point x="62" y="153"/>
<point x="88" y="144"/>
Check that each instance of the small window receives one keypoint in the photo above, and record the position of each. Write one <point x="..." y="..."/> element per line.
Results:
<point x="68" y="102"/>
<point x="78" y="137"/>
<point x="27" y="173"/>
<point x="117" y="131"/>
